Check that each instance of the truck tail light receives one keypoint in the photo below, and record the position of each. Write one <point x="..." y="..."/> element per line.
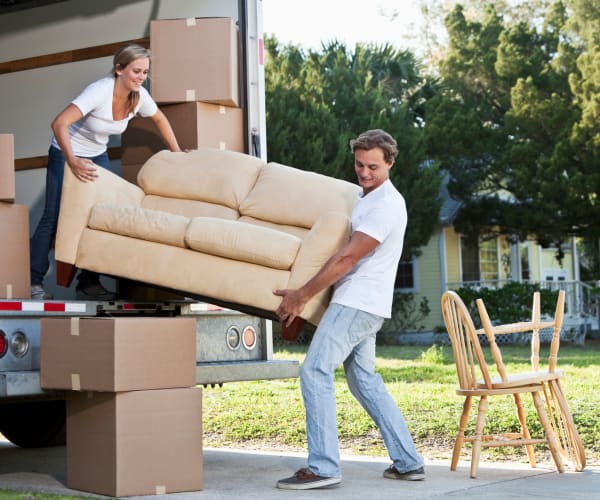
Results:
<point x="19" y="344"/>
<point x="3" y="343"/>
<point x="249" y="337"/>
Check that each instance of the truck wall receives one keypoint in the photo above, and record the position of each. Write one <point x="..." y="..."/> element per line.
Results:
<point x="29" y="100"/>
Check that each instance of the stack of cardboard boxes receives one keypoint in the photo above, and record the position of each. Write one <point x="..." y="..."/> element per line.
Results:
<point x="195" y="81"/>
<point x="134" y="417"/>
<point x="14" y="228"/>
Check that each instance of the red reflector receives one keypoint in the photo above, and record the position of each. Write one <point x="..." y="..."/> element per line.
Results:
<point x="10" y="306"/>
<point x="128" y="306"/>
<point x="3" y="344"/>
<point x="54" y="306"/>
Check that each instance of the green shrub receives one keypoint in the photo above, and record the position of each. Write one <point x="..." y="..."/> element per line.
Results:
<point x="508" y="304"/>
<point x="407" y="314"/>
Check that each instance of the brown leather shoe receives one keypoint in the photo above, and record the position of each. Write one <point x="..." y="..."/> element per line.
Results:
<point x="305" y="479"/>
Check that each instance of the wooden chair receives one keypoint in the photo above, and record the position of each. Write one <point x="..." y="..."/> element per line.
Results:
<point x="476" y="381"/>
<point x="570" y="444"/>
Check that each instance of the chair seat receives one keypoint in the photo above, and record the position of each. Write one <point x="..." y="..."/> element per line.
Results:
<point x="521" y="379"/>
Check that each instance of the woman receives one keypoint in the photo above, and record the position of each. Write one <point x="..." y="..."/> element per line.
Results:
<point x="81" y="133"/>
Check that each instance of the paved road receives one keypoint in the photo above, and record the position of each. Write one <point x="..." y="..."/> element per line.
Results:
<point x="240" y="475"/>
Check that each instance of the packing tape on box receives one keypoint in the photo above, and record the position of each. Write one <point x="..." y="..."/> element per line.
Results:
<point x="75" y="382"/>
<point x="190" y="21"/>
<point x="75" y="327"/>
<point x="190" y="95"/>
<point x="160" y="489"/>
<point x="9" y="291"/>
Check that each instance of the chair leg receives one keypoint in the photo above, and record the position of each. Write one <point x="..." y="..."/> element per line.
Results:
<point x="573" y="445"/>
<point x="525" y="430"/>
<point x="460" y="437"/>
<point x="482" y="409"/>
<point x="548" y="431"/>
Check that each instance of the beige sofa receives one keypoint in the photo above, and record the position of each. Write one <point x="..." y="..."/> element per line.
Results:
<point x="215" y="225"/>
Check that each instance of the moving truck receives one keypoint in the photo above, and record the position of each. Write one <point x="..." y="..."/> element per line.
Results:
<point x="49" y="51"/>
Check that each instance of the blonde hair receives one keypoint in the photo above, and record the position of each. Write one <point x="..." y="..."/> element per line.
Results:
<point x="125" y="55"/>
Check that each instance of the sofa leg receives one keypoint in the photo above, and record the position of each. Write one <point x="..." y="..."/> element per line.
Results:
<point x="64" y="273"/>
<point x="292" y="332"/>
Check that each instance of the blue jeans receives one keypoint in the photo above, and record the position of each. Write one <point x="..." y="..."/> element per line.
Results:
<point x="346" y="335"/>
<point x="41" y="241"/>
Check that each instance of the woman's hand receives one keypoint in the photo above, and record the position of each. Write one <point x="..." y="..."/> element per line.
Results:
<point x="83" y="168"/>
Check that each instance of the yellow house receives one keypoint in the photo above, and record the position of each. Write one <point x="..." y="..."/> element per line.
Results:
<point x="448" y="262"/>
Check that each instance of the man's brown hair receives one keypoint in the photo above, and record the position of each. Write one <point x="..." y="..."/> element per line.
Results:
<point x="376" y="138"/>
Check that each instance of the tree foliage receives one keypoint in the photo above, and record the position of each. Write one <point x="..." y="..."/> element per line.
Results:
<point x="516" y="124"/>
<point x="318" y="100"/>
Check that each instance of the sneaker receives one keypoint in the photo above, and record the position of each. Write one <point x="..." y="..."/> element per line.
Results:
<point x="38" y="293"/>
<point x="305" y="479"/>
<point x="94" y="291"/>
<point x="413" y="475"/>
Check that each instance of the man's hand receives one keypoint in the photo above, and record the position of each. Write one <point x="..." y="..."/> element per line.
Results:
<point x="291" y="306"/>
<point x="83" y="168"/>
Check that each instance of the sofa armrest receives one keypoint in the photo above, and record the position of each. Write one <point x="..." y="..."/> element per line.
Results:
<point x="327" y="236"/>
<point x="77" y="200"/>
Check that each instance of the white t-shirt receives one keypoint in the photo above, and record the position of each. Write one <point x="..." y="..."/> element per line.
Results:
<point x="369" y="287"/>
<point x="89" y="135"/>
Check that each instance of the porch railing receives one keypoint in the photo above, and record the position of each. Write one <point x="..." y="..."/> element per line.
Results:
<point x="581" y="299"/>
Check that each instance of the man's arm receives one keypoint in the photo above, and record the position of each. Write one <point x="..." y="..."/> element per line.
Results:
<point x="359" y="246"/>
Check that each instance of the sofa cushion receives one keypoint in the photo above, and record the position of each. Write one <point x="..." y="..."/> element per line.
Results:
<point x="211" y="175"/>
<point x="287" y="195"/>
<point x="150" y="225"/>
<point x="243" y="242"/>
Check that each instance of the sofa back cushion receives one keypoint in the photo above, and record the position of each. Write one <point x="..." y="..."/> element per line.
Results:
<point x="189" y="208"/>
<point x="210" y="175"/>
<point x="287" y="195"/>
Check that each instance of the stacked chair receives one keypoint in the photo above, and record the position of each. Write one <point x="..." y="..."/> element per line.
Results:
<point x="478" y="380"/>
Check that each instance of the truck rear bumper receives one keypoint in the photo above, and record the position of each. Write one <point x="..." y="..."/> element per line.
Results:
<point x="220" y="372"/>
<point x="24" y="384"/>
<point x="27" y="383"/>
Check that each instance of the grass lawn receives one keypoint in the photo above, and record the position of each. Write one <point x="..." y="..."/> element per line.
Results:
<point x="422" y="380"/>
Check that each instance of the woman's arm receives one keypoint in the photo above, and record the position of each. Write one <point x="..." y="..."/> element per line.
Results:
<point x="165" y="129"/>
<point x="83" y="168"/>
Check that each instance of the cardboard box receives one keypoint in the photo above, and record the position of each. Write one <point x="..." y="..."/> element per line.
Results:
<point x="196" y="125"/>
<point x="195" y="59"/>
<point x="117" y="354"/>
<point x="135" y="443"/>
<point x="14" y="252"/>
<point x="7" y="167"/>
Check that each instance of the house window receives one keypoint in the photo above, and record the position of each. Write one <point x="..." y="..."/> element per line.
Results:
<point x="488" y="260"/>
<point x="469" y="255"/>
<point x="524" y="251"/>
<point x="479" y="262"/>
<point x="406" y="276"/>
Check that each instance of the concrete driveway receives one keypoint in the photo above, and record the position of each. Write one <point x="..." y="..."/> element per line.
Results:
<point x="239" y="474"/>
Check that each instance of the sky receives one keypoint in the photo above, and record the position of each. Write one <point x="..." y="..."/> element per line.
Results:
<point x="310" y="22"/>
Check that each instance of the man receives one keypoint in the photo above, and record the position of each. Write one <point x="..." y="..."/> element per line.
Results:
<point x="363" y="272"/>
